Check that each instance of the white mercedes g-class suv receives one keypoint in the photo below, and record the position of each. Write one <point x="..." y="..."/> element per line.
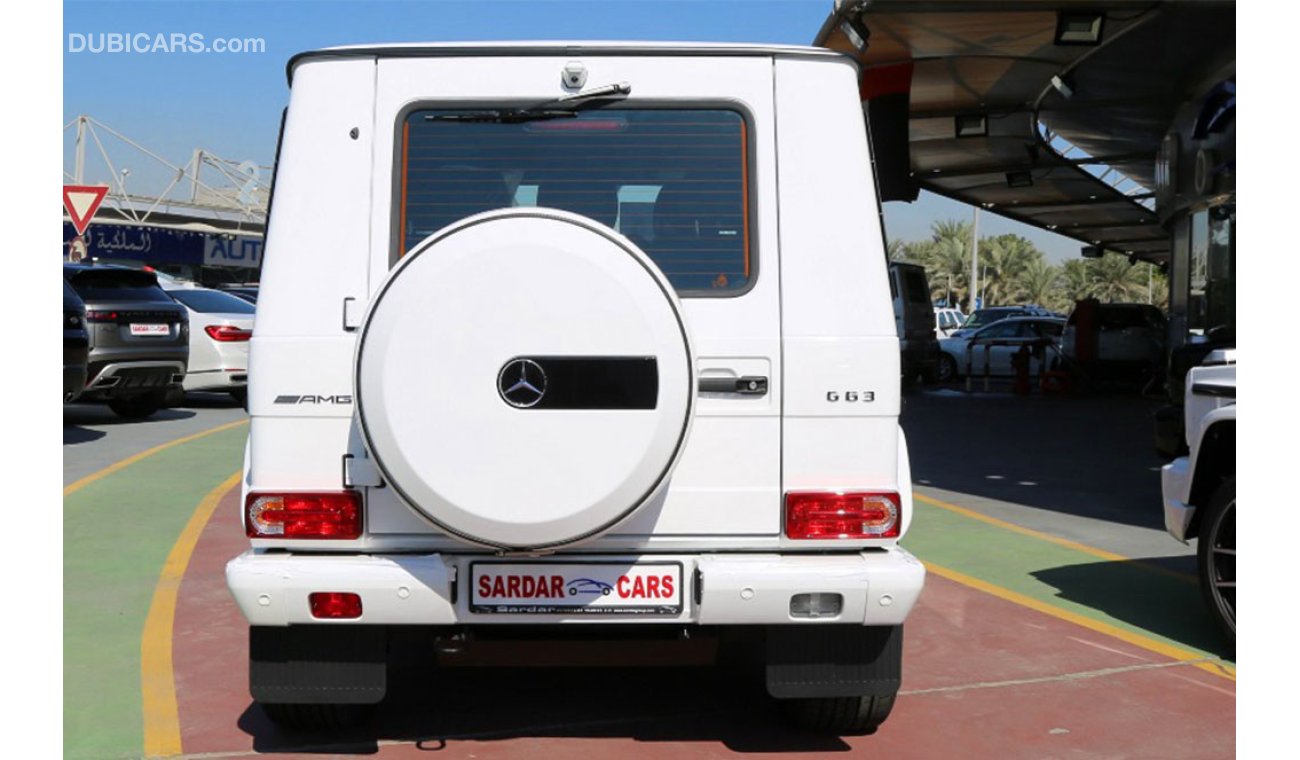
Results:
<point x="559" y="337"/>
<point x="1200" y="489"/>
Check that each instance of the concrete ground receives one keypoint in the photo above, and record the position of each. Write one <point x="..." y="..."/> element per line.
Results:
<point x="1058" y="619"/>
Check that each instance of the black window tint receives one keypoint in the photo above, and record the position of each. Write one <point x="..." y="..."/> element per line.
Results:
<point x="917" y="290"/>
<point x="212" y="301"/>
<point x="1121" y="317"/>
<point x="673" y="181"/>
<point x="106" y="285"/>
<point x="1002" y="330"/>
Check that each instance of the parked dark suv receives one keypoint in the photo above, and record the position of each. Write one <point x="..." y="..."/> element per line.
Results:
<point x="139" y="338"/>
<point x="76" y="343"/>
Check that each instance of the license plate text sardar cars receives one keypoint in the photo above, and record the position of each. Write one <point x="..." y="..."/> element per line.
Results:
<point x="584" y="588"/>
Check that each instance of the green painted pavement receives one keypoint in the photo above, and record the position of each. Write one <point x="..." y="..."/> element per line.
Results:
<point x="116" y="535"/>
<point x="1124" y="594"/>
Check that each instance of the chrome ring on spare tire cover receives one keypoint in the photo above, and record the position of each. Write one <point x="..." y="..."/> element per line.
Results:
<point x="544" y="390"/>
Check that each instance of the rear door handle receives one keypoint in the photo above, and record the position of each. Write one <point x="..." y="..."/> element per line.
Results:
<point x="749" y="385"/>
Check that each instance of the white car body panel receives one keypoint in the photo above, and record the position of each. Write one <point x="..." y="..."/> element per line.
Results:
<point x="216" y="365"/>
<point x="817" y="322"/>
<point x="1202" y="411"/>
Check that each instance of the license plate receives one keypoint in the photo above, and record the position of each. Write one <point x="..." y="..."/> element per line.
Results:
<point x="588" y="588"/>
<point x="150" y="330"/>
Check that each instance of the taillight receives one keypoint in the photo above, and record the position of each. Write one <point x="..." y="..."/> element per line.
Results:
<point x="227" y="333"/>
<point x="93" y="315"/>
<point x="303" y="515"/>
<point x="832" y="514"/>
<point x="334" y="605"/>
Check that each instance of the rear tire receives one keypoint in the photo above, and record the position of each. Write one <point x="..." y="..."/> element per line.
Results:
<point x="840" y="715"/>
<point x="1216" y="557"/>
<point x="313" y="717"/>
<point x="240" y="395"/>
<point x="947" y="368"/>
<point x="137" y="407"/>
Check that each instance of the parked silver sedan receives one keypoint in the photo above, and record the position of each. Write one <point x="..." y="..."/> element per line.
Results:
<point x="998" y="342"/>
<point x="220" y="326"/>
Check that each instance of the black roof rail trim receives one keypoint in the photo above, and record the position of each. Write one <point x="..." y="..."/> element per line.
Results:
<point x="1214" y="389"/>
<point x="560" y="49"/>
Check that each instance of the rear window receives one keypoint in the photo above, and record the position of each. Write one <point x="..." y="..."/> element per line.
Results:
<point x="674" y="181"/>
<point x="1123" y="317"/>
<point x="988" y="317"/>
<point x="212" y="301"/>
<point x="119" y="285"/>
<point x="917" y="289"/>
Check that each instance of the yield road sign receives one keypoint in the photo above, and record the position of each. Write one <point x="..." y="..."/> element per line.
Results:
<point x="82" y="201"/>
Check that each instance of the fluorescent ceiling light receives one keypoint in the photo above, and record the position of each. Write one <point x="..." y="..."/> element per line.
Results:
<point x="856" y="33"/>
<point x="1063" y="86"/>
<point x="1079" y="27"/>
<point x="971" y="125"/>
<point x="1020" y="178"/>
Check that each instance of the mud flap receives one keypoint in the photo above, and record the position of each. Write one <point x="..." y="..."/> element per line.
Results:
<point x="806" y="661"/>
<point x="318" y="664"/>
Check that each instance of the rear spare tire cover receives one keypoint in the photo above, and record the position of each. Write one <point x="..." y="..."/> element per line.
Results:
<point x="525" y="379"/>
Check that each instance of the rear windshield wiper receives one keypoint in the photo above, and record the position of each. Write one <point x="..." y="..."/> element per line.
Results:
<point x="565" y="107"/>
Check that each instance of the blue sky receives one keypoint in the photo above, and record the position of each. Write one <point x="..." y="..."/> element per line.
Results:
<point x="230" y="104"/>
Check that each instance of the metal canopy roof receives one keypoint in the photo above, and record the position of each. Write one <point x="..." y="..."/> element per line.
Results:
<point x="1090" y="155"/>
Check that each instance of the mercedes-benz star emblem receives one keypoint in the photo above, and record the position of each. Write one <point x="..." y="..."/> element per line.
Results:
<point x="522" y="383"/>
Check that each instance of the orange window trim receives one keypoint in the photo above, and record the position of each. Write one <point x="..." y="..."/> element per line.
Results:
<point x="744" y="190"/>
<point x="401" y="217"/>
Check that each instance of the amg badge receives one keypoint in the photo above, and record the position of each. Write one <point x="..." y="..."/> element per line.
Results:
<point x="313" y="399"/>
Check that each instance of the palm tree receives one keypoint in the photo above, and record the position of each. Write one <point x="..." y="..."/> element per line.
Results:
<point x="1038" y="282"/>
<point x="947" y="258"/>
<point x="1115" y="280"/>
<point x="1006" y="257"/>
<point x="1076" y="281"/>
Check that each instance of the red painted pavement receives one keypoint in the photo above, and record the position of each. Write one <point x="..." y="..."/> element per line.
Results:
<point x="959" y="641"/>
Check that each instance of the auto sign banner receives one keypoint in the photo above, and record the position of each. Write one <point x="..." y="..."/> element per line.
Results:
<point x="617" y="588"/>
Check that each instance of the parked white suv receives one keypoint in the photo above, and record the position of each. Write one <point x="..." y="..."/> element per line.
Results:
<point x="1200" y="489"/>
<point x="542" y="341"/>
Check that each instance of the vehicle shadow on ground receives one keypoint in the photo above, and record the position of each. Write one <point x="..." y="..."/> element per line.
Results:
<point x="73" y="434"/>
<point x="1090" y="456"/>
<point x="77" y="415"/>
<point x="1131" y="591"/>
<point x="200" y="400"/>
<point x="433" y="708"/>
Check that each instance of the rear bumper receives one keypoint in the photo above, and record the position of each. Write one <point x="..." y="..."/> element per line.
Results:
<point x="216" y="380"/>
<point x="74" y="380"/>
<point x="1175" y="484"/>
<point x="122" y="379"/>
<point x="879" y="588"/>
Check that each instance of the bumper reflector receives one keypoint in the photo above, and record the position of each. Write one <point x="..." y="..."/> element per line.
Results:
<point x="816" y="605"/>
<point x="335" y="605"/>
<point x="335" y="515"/>
<point x="832" y="514"/>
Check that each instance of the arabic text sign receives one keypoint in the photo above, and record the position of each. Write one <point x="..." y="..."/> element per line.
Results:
<point x="150" y="245"/>
<point x="82" y="201"/>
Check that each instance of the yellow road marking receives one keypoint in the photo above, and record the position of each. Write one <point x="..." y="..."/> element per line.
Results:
<point x="112" y="468"/>
<point x="1136" y="639"/>
<point x="1067" y="543"/>
<point x="162" y="728"/>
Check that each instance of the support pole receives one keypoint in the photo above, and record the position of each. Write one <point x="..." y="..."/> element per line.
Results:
<point x="974" y="260"/>
<point x="79" y="167"/>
